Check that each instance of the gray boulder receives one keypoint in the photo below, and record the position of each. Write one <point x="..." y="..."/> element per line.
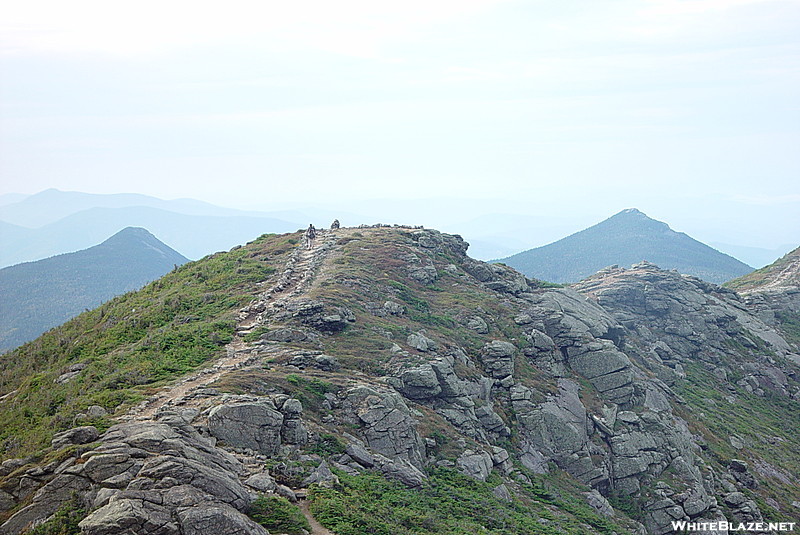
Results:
<point x="130" y="517"/>
<point x="599" y="503"/>
<point x="420" y="342"/>
<point x="77" y="435"/>
<point x="217" y="518"/>
<point x="252" y="425"/>
<point x="322" y="476"/>
<point x="402" y="472"/>
<point x="419" y="383"/>
<point x="262" y="482"/>
<point x="501" y="492"/>
<point x="386" y="421"/>
<point x="360" y="455"/>
<point x="393" y="308"/>
<point x="477" y="324"/>
<point x="475" y="464"/>
<point x="424" y="274"/>
<point x="498" y="357"/>
<point x="498" y="277"/>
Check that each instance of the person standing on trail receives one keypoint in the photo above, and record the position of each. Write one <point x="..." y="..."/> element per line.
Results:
<point x="310" y="234"/>
<point x="335" y="224"/>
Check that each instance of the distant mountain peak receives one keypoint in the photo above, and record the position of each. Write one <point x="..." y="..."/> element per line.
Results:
<point x="626" y="238"/>
<point x="133" y="232"/>
<point x="637" y="218"/>
<point x="36" y="296"/>
<point x="132" y="237"/>
<point x="635" y="211"/>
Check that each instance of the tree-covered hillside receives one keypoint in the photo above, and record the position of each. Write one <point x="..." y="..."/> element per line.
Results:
<point x="36" y="296"/>
<point x="624" y="239"/>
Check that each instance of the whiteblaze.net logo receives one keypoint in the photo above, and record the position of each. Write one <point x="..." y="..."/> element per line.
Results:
<point x="732" y="527"/>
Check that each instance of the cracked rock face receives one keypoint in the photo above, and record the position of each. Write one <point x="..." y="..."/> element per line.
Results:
<point x="498" y="357"/>
<point x="255" y="426"/>
<point x="149" y="478"/>
<point x="684" y="314"/>
<point x="557" y="430"/>
<point x="388" y="427"/>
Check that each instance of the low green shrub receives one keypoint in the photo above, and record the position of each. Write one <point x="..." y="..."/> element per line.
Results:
<point x="279" y="515"/>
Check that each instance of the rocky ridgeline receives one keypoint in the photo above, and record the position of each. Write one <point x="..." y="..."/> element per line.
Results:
<point x="773" y="292"/>
<point x="678" y="319"/>
<point x="607" y="355"/>
<point x="295" y="279"/>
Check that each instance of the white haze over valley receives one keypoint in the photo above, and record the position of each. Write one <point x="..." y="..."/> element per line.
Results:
<point x="512" y="123"/>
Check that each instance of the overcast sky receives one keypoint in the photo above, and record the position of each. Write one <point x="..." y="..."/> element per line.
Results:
<point x="686" y="109"/>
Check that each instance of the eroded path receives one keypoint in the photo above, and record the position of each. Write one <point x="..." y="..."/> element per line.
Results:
<point x="295" y="280"/>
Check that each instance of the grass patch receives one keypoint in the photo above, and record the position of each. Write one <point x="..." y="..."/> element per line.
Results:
<point x="130" y="344"/>
<point x="448" y="504"/>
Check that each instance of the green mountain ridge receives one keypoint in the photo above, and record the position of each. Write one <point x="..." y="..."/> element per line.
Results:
<point x="625" y="239"/>
<point x="36" y="296"/>
<point x="402" y="388"/>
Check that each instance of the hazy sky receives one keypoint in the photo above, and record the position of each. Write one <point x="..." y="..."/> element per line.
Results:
<point x="686" y="109"/>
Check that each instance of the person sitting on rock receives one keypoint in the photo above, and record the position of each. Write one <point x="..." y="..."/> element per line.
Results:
<point x="335" y="224"/>
<point x="310" y="234"/>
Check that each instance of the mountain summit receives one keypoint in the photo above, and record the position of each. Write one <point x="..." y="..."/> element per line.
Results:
<point x="624" y="239"/>
<point x="36" y="296"/>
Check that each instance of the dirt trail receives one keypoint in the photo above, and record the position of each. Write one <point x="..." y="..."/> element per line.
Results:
<point x="297" y="276"/>
<point x="316" y="527"/>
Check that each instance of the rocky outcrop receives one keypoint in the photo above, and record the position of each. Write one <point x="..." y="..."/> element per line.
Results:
<point x="316" y="314"/>
<point x="420" y="342"/>
<point x="463" y="403"/>
<point x="557" y="430"/>
<point x="148" y="478"/>
<point x="258" y="424"/>
<point x="685" y="314"/>
<point x="498" y="358"/>
<point x="569" y="333"/>
<point x="498" y="277"/>
<point x="678" y="319"/>
<point x="76" y="435"/>
<point x="386" y="423"/>
<point x="475" y="464"/>
<point x="251" y="425"/>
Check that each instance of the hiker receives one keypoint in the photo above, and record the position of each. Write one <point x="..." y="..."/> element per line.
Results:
<point x="310" y="234"/>
<point x="335" y="224"/>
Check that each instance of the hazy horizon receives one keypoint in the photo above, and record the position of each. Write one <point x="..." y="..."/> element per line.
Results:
<point x="436" y="113"/>
<point x="492" y="236"/>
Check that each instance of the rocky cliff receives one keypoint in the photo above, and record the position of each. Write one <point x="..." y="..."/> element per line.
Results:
<point x="384" y="362"/>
